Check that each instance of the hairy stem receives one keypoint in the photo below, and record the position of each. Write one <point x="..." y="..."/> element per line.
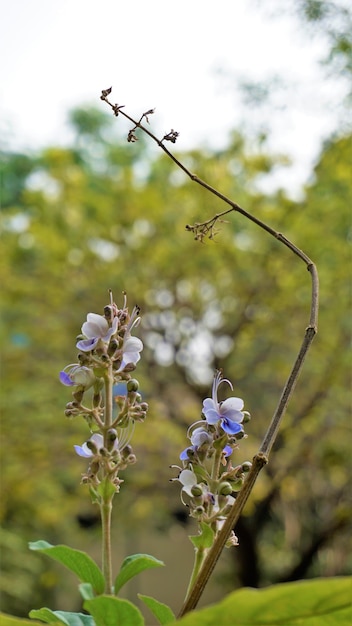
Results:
<point x="106" y="499"/>
<point x="105" y="511"/>
<point x="108" y="409"/>
<point x="200" y="554"/>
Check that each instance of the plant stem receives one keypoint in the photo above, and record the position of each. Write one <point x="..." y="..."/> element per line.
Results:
<point x="108" y="382"/>
<point x="105" y="511"/>
<point x="216" y="465"/>
<point x="200" y="554"/>
<point x="213" y="554"/>
<point x="106" y="499"/>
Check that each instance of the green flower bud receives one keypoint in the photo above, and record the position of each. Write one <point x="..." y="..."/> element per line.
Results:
<point x="225" y="489"/>
<point x="111" y="438"/>
<point x="196" y="490"/>
<point x="133" y="385"/>
<point x="92" y="446"/>
<point x="113" y="346"/>
<point x="246" y="466"/>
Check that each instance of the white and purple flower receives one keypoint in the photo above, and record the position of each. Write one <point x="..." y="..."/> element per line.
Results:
<point x="229" y="412"/>
<point x="96" y="329"/>
<point x="79" y="375"/>
<point x="198" y="437"/>
<point x="131" y="346"/>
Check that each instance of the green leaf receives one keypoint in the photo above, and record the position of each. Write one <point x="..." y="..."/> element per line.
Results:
<point x="205" y="538"/>
<point x="110" y="611"/>
<point x="161" y="611"/>
<point x="86" y="591"/>
<point x="11" y="620"/>
<point x="62" y="617"/>
<point x="105" y="489"/>
<point x="133" y="565"/>
<point x="321" y="602"/>
<point x="75" y="560"/>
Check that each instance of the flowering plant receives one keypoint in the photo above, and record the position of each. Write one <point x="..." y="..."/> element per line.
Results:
<point x="213" y="487"/>
<point x="108" y="354"/>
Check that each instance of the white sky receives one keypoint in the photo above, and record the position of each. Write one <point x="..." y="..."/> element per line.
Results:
<point x="185" y="58"/>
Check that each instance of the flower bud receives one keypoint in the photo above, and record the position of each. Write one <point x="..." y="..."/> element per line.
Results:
<point x="91" y="445"/>
<point x="196" y="490"/>
<point x="246" y="466"/>
<point x="225" y="489"/>
<point x="133" y="385"/>
<point x="246" y="418"/>
<point x="111" y="438"/>
<point x="83" y="358"/>
<point x="127" y="451"/>
<point x="113" y="346"/>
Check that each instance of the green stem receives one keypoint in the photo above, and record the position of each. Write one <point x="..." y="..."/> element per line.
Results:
<point x="108" y="381"/>
<point x="200" y="554"/>
<point x="215" y="471"/>
<point x="105" y="510"/>
<point x="106" y="502"/>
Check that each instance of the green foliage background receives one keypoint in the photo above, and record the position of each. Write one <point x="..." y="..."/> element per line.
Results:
<point x="103" y="214"/>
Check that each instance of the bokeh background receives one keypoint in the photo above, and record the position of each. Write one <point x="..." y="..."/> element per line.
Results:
<point x="261" y="97"/>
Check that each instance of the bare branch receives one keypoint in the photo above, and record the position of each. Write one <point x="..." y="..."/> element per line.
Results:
<point x="207" y="229"/>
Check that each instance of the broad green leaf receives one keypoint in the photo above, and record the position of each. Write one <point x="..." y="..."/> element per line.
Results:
<point x="161" y="611"/>
<point x="62" y="617"/>
<point x="321" y="602"/>
<point x="11" y="620"/>
<point x="110" y="611"/>
<point x="75" y="560"/>
<point x="48" y="616"/>
<point x="133" y="565"/>
<point x="205" y="538"/>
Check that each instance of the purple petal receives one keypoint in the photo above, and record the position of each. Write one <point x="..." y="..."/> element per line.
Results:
<point x="200" y="436"/>
<point x="211" y="416"/>
<point x="86" y="345"/>
<point x="83" y="452"/>
<point x="65" y="379"/>
<point x="233" y="416"/>
<point x="227" y="450"/>
<point x="184" y="454"/>
<point x="208" y="403"/>
<point x="232" y="428"/>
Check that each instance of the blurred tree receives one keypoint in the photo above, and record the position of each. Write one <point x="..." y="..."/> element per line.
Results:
<point x="107" y="214"/>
